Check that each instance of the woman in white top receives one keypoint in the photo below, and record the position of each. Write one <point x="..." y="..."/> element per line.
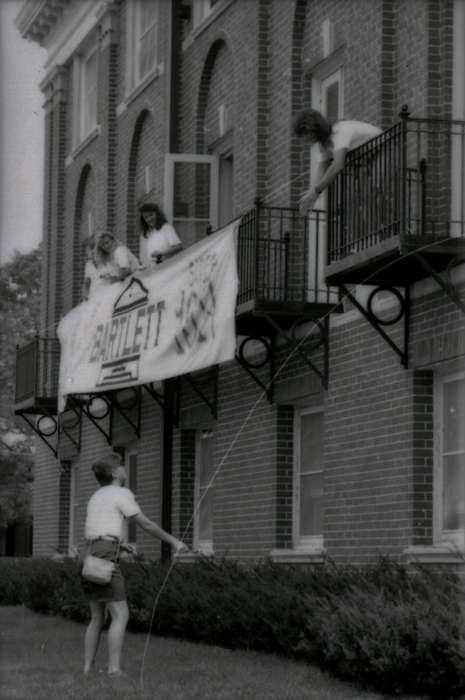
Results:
<point x="113" y="260"/>
<point x="335" y="141"/>
<point x="162" y="239"/>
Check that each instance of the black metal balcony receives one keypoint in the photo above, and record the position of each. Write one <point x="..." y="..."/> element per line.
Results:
<point x="280" y="264"/>
<point x="37" y="367"/>
<point x="398" y="207"/>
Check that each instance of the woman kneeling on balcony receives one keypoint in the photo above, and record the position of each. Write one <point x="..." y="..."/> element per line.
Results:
<point x="162" y="239"/>
<point x="335" y="141"/>
<point x="113" y="260"/>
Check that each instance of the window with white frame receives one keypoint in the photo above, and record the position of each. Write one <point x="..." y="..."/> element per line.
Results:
<point x="85" y="79"/>
<point x="308" y="479"/>
<point x="142" y="44"/>
<point x="191" y="194"/>
<point x="203" y="505"/>
<point x="449" y="499"/>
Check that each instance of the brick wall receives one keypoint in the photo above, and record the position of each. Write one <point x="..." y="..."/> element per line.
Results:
<point x="256" y="57"/>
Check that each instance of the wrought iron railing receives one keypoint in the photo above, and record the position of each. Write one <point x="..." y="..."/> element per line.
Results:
<point x="37" y="366"/>
<point x="281" y="256"/>
<point x="407" y="182"/>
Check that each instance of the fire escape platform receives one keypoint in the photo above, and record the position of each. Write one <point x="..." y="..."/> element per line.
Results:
<point x="252" y="316"/>
<point x="395" y="261"/>
<point x="37" y="405"/>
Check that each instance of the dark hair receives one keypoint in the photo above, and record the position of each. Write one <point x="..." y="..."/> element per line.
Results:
<point x="103" y="468"/>
<point x="159" y="221"/>
<point x="312" y="122"/>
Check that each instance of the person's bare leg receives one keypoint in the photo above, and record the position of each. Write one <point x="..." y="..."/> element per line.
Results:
<point x="119" y="619"/>
<point x="93" y="633"/>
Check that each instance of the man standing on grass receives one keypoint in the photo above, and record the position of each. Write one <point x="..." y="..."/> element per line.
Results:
<point x="107" y="512"/>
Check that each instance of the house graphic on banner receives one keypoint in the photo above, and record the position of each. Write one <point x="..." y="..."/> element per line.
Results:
<point x="125" y="369"/>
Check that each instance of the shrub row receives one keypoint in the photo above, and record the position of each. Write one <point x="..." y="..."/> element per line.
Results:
<point x="380" y="626"/>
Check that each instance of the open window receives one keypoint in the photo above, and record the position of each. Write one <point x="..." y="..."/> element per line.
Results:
<point x="191" y="194"/>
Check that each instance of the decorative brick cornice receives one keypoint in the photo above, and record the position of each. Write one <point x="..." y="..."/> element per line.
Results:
<point x="108" y="26"/>
<point x="37" y="18"/>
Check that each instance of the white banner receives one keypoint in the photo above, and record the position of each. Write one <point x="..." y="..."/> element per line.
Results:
<point x="161" y="322"/>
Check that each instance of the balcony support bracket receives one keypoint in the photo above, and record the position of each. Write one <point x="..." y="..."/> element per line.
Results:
<point x="378" y="323"/>
<point x="211" y="403"/>
<point x="269" y="345"/>
<point x="65" y="430"/>
<point x="446" y="285"/>
<point x="34" y="425"/>
<point x="160" y="400"/>
<point x="84" y="405"/>
<point x="124" y="410"/>
<point x="296" y="346"/>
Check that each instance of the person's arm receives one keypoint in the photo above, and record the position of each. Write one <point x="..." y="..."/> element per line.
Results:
<point x="155" y="530"/>
<point x="327" y="172"/>
<point x="172" y="251"/>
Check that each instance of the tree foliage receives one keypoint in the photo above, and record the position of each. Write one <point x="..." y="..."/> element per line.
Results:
<point x="20" y="282"/>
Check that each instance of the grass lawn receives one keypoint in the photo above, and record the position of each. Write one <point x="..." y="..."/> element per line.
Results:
<point x="41" y="659"/>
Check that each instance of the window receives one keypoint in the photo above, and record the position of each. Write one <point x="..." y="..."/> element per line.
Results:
<point x="131" y="466"/>
<point x="142" y="33"/>
<point x="203" y="505"/>
<point x="85" y="77"/>
<point x="191" y="194"/>
<point x="226" y="189"/>
<point x="308" y="479"/>
<point x="449" y="500"/>
<point x="327" y="97"/>
<point x="74" y="504"/>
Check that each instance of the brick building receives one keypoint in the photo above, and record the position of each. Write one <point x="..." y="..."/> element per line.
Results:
<point x="339" y="429"/>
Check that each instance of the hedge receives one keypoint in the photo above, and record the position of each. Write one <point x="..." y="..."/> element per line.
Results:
<point x="381" y="626"/>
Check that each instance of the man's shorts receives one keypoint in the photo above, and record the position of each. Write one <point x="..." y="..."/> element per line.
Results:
<point x="110" y="592"/>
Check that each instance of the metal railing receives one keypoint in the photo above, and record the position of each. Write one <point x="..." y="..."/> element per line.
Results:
<point x="409" y="181"/>
<point x="37" y="367"/>
<point x="281" y="256"/>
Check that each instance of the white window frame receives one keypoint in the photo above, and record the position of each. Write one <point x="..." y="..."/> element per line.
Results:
<point x="74" y="504"/>
<point x="171" y="159"/>
<point x="81" y="130"/>
<point x="133" y="20"/>
<point x="313" y="543"/>
<point x="456" y="538"/>
<point x="204" y="546"/>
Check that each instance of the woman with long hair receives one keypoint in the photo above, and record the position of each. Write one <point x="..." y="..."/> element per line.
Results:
<point x="113" y="260"/>
<point x="162" y="240"/>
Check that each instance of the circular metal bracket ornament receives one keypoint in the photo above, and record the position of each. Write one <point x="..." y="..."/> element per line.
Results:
<point x="95" y="404"/>
<point x="256" y="339"/>
<point x="396" y="317"/>
<point x="46" y="426"/>
<point x="69" y="419"/>
<point x="127" y="398"/>
<point x="315" y="341"/>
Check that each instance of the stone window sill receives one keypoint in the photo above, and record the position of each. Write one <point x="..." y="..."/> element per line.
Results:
<point x="138" y="89"/>
<point x="296" y="556"/>
<point x="83" y="145"/>
<point x="434" y="554"/>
